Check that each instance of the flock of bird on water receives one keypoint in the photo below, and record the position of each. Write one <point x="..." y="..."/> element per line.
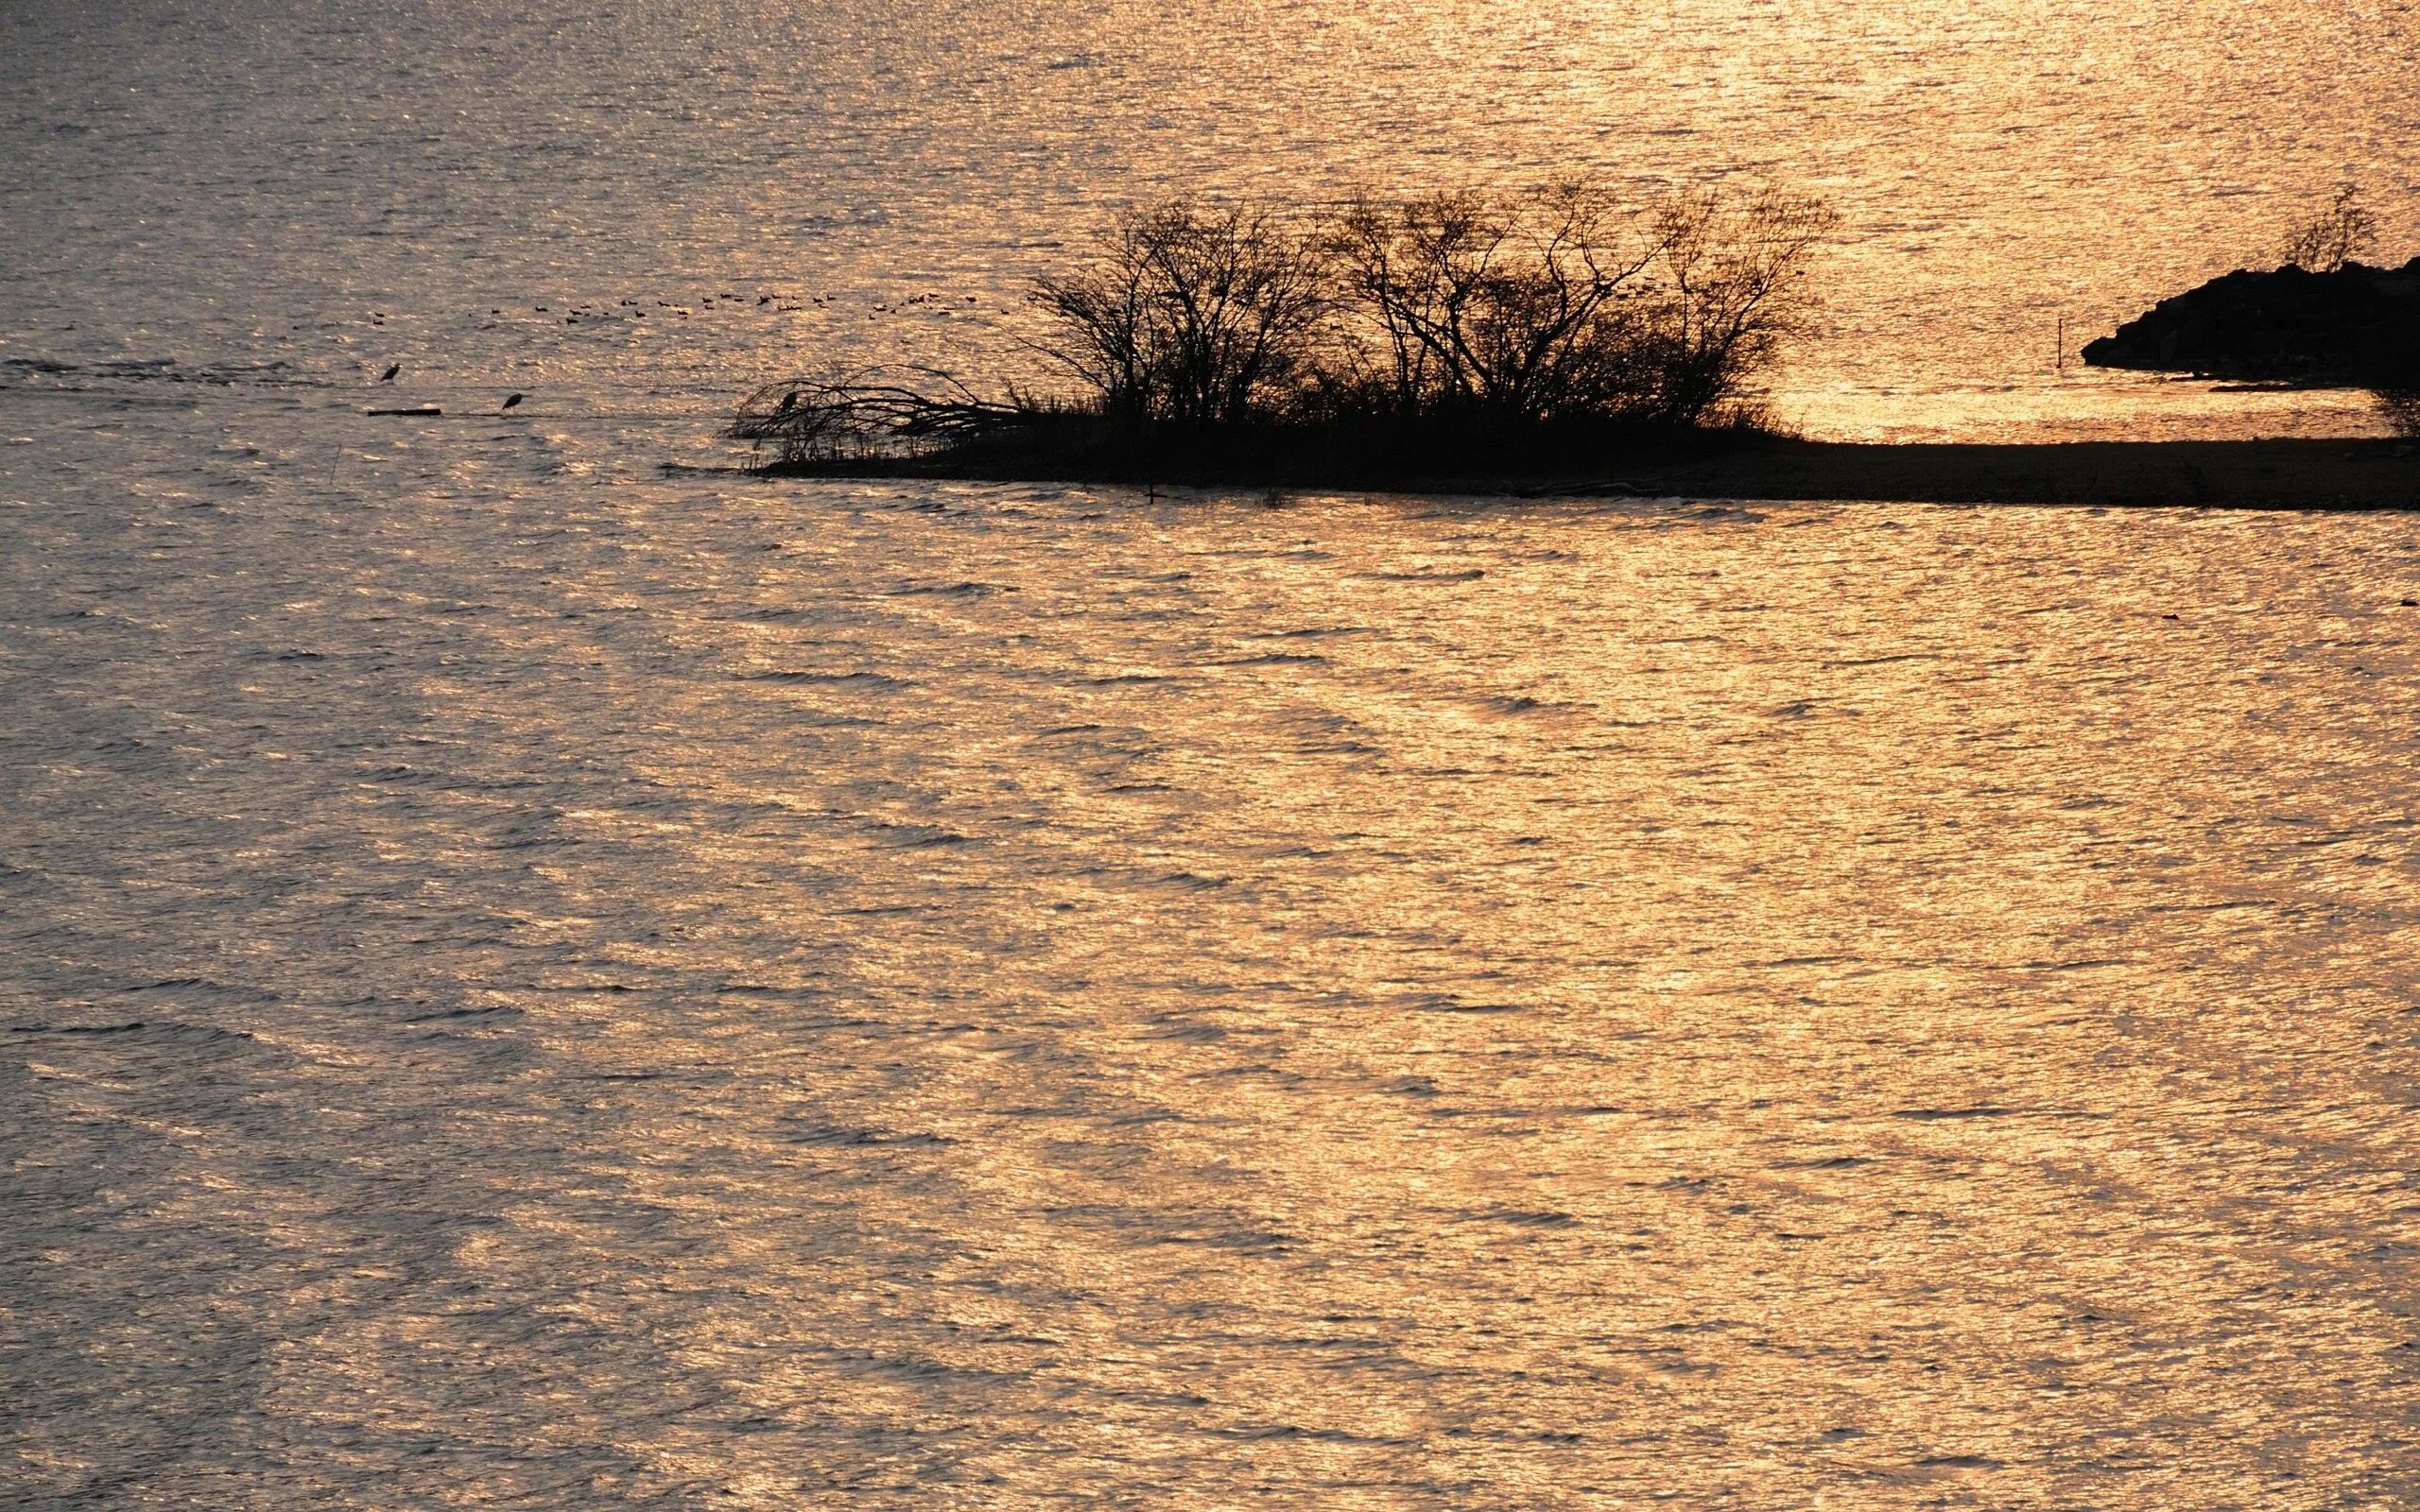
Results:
<point x="820" y="300"/>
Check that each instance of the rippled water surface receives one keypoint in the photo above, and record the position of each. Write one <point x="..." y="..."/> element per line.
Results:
<point x="595" y="197"/>
<point x="535" y="980"/>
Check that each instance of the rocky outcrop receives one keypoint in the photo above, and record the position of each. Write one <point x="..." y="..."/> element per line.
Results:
<point x="2357" y="325"/>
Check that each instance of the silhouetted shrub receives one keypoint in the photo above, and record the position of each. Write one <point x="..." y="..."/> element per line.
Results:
<point x="2333" y="237"/>
<point x="1552" y="306"/>
<point x="1189" y="314"/>
<point x="1564" y="305"/>
<point x="1454" y="324"/>
<point x="1732" y="288"/>
<point x="1508" y="309"/>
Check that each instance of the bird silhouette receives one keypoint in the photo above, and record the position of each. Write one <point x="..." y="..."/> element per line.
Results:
<point x="388" y="376"/>
<point x="789" y="402"/>
<point x="510" y="400"/>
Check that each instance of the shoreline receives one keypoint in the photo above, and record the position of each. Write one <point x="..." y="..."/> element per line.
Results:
<point x="2263" y="474"/>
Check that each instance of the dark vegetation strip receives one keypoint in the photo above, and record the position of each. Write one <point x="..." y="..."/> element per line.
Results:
<point x="1481" y="328"/>
<point x="2284" y="475"/>
<point x="1556" y="340"/>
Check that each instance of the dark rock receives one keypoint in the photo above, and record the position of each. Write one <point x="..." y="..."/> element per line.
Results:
<point x="2358" y="325"/>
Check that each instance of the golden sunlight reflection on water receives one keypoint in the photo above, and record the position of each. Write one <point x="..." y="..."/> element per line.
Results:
<point x="567" y="197"/>
<point x="538" y="978"/>
<point x="984" y="997"/>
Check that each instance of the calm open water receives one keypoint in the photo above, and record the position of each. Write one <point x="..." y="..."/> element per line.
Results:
<point x="532" y="980"/>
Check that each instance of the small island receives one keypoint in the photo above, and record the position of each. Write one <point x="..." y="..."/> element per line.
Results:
<point x="2320" y="317"/>
<point x="2350" y="326"/>
<point x="1549" y="342"/>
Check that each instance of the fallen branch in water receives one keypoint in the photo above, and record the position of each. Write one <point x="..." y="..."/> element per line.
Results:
<point x="861" y="417"/>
